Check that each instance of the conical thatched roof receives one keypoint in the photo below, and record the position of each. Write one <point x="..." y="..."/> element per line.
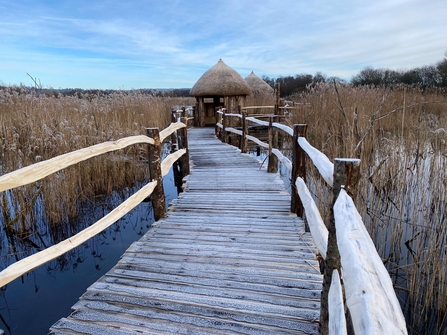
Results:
<point x="258" y="86"/>
<point x="220" y="80"/>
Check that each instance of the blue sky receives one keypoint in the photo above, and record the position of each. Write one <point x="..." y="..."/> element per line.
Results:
<point x="170" y="44"/>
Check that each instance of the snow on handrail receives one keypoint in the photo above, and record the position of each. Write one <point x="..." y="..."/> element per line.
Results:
<point x="316" y="224"/>
<point x="219" y="125"/>
<point x="260" y="122"/>
<point x="258" y="142"/>
<point x="320" y="160"/>
<point x="235" y="115"/>
<point x="283" y="127"/>
<point x="234" y="131"/>
<point x="337" y="320"/>
<point x="370" y="296"/>
<point x="283" y="159"/>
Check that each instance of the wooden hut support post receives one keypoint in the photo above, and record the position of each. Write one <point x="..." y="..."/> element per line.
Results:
<point x="158" y="195"/>
<point x="273" y="160"/>
<point x="346" y="175"/>
<point x="298" y="168"/>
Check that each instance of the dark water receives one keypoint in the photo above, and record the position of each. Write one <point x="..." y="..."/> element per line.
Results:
<point x="33" y="303"/>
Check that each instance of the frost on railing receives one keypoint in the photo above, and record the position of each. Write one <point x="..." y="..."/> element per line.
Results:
<point x="316" y="224"/>
<point x="320" y="160"/>
<point x="337" y="320"/>
<point x="370" y="296"/>
<point x="283" y="159"/>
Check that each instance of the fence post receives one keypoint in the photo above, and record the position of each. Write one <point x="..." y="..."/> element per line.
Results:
<point x="298" y="168"/>
<point x="184" y="145"/>
<point x="244" y="132"/>
<point x="173" y="135"/>
<point x="223" y="135"/>
<point x="158" y="196"/>
<point x="217" y="116"/>
<point x="346" y="175"/>
<point x="273" y="160"/>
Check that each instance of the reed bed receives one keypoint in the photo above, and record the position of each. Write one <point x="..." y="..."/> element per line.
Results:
<point x="36" y="127"/>
<point x="400" y="136"/>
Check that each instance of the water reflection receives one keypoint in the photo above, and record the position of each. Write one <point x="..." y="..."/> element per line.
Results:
<point x="32" y="303"/>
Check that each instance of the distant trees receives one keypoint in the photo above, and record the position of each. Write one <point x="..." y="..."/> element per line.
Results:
<point x="425" y="76"/>
<point x="299" y="83"/>
<point x="442" y="70"/>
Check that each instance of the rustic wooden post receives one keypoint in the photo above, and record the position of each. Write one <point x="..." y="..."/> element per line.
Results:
<point x="244" y="132"/>
<point x="223" y="135"/>
<point x="346" y="175"/>
<point x="217" y="116"/>
<point x="298" y="168"/>
<point x="158" y="196"/>
<point x="173" y="135"/>
<point x="273" y="160"/>
<point x="184" y="145"/>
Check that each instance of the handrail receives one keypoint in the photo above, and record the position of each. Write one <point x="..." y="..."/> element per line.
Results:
<point x="320" y="160"/>
<point x="37" y="171"/>
<point x="369" y="292"/>
<point x="32" y="262"/>
<point x="34" y="172"/>
<point x="366" y="280"/>
<point x="169" y="130"/>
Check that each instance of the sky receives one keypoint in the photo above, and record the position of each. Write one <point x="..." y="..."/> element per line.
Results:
<point x="169" y="44"/>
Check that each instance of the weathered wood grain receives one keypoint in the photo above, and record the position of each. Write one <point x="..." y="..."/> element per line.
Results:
<point x="229" y="258"/>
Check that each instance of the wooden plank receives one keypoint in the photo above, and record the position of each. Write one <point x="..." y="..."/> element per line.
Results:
<point x="229" y="258"/>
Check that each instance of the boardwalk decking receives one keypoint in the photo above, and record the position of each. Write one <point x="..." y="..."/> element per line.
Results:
<point x="228" y="258"/>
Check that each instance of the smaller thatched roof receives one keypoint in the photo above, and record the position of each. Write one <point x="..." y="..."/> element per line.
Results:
<point x="220" y="80"/>
<point x="258" y="86"/>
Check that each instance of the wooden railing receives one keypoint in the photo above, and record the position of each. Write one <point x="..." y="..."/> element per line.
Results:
<point x="357" y="291"/>
<point x="157" y="167"/>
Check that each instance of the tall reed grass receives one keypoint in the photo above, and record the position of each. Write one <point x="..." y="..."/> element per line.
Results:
<point x="38" y="127"/>
<point x="400" y="136"/>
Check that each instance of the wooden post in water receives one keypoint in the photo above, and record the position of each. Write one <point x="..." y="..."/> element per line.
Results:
<point x="346" y="175"/>
<point x="173" y="135"/>
<point x="158" y="195"/>
<point x="273" y="160"/>
<point x="244" y="132"/>
<point x="298" y="168"/>
<point x="183" y="144"/>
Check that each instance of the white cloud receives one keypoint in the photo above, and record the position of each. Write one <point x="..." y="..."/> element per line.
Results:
<point x="177" y="39"/>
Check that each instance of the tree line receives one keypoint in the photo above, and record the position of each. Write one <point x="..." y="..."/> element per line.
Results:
<point x="425" y="76"/>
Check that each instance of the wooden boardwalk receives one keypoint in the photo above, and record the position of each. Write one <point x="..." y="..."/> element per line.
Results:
<point x="228" y="259"/>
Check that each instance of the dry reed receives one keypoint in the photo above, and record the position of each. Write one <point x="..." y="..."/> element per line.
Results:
<point x="400" y="136"/>
<point x="38" y="127"/>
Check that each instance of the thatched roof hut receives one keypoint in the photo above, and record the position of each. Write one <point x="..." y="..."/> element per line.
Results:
<point x="220" y="86"/>
<point x="258" y="86"/>
<point x="220" y="80"/>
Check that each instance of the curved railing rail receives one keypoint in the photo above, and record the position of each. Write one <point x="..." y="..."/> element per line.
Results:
<point x="351" y="264"/>
<point x="157" y="167"/>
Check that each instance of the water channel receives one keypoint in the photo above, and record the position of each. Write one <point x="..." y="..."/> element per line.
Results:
<point x="32" y="303"/>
